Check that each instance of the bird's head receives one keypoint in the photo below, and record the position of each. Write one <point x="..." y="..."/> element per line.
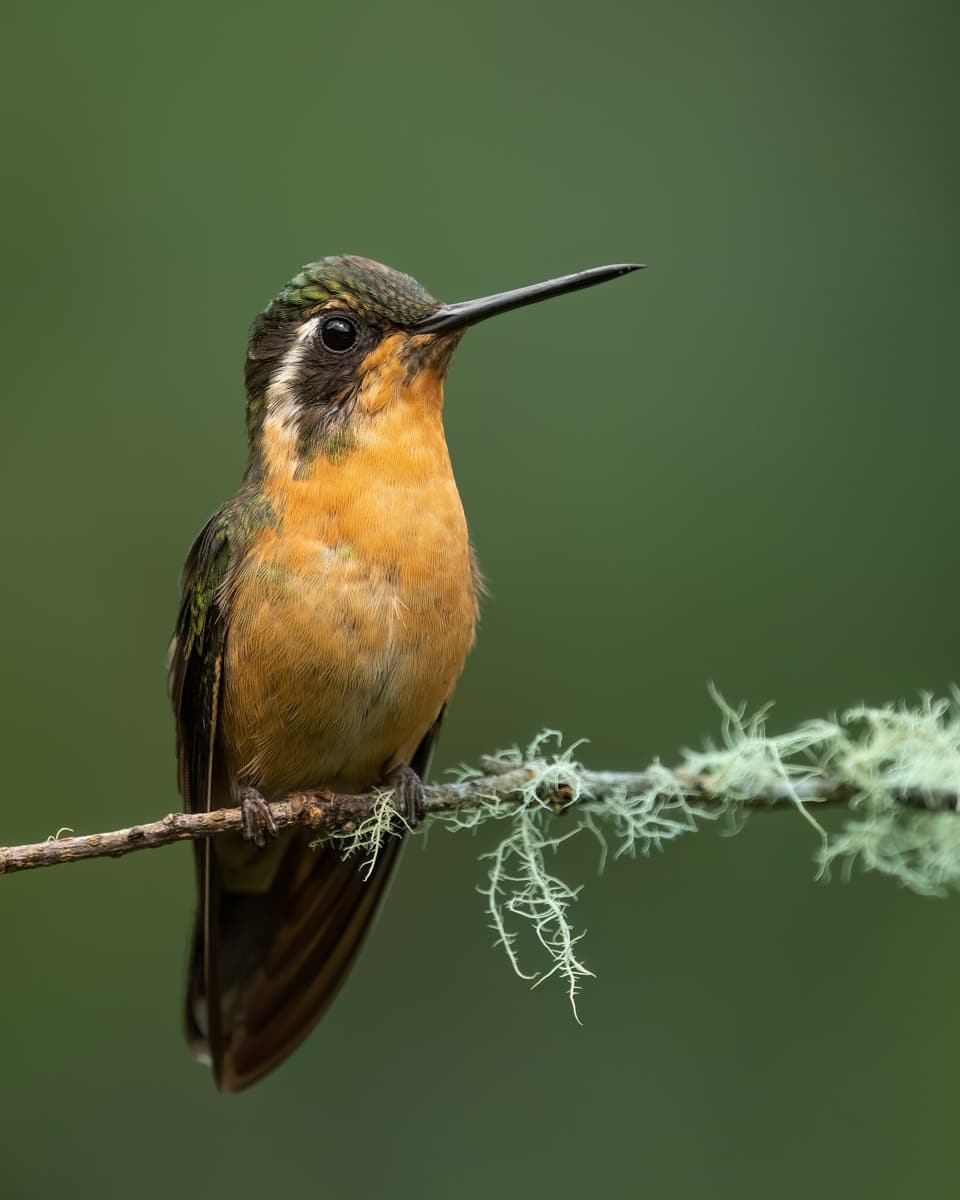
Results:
<point x="348" y="337"/>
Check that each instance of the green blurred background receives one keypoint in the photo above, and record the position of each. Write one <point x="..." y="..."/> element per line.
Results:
<point x="738" y="466"/>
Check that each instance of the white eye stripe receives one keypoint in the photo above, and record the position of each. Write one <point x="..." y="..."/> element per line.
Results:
<point x="306" y="329"/>
<point x="286" y="375"/>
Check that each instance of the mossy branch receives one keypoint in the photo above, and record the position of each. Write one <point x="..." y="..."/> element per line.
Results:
<point x="896" y="769"/>
<point x="506" y="791"/>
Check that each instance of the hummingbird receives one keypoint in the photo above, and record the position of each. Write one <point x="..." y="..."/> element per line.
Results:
<point x="327" y="611"/>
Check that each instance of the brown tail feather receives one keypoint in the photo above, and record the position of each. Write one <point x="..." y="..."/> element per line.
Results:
<point x="276" y="959"/>
<point x="265" y="966"/>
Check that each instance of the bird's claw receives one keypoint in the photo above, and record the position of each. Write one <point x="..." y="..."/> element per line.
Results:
<point x="257" y="818"/>
<point x="407" y="793"/>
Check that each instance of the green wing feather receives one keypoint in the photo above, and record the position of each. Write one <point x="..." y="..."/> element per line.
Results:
<point x="196" y="658"/>
<point x="196" y="666"/>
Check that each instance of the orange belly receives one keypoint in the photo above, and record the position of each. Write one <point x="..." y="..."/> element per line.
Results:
<point x="334" y="674"/>
<point x="351" y="618"/>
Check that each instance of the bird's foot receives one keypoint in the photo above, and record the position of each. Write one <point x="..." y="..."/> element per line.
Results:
<point x="257" y="818"/>
<point x="407" y="793"/>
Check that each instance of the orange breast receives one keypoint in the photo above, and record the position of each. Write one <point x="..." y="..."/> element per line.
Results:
<point x="353" y="616"/>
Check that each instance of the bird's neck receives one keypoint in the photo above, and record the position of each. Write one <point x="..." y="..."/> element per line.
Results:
<point x="370" y="481"/>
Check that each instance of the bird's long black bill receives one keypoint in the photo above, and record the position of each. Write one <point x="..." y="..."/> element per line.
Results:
<point x="469" y="312"/>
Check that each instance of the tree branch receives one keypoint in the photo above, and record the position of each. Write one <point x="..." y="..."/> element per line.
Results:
<point x="895" y="769"/>
<point x="502" y="783"/>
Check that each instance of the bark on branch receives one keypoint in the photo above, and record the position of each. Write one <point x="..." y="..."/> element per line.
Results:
<point x="323" y="811"/>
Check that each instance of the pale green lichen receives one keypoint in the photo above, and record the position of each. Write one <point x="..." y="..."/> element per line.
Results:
<point x="519" y="885"/>
<point x="881" y="752"/>
<point x="367" y="838"/>
<point x="521" y="891"/>
<point x="749" y="761"/>
<point x="874" y="754"/>
<point x="920" y="849"/>
<point x="643" y="820"/>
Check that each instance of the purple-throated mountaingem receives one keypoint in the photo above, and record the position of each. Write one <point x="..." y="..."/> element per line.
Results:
<point x="327" y="611"/>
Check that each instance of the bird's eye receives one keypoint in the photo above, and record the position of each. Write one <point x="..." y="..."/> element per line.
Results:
<point x="338" y="334"/>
